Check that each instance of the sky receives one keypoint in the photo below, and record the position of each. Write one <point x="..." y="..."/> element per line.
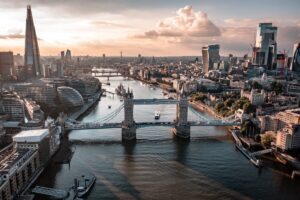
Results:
<point x="147" y="27"/>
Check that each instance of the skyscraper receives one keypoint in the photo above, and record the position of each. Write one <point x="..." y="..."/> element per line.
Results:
<point x="295" y="65"/>
<point x="6" y="64"/>
<point x="214" y="54"/>
<point x="68" y="55"/>
<point x="205" y="59"/>
<point x="266" y="45"/>
<point x="32" y="53"/>
<point x="210" y="55"/>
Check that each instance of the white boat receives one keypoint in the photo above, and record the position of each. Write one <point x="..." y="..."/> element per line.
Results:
<point x="156" y="115"/>
<point x="84" y="185"/>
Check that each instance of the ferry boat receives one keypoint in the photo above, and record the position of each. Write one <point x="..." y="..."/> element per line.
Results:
<point x="84" y="184"/>
<point x="156" y="115"/>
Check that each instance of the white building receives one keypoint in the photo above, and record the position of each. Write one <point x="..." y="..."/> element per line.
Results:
<point x="256" y="98"/>
<point x="288" y="138"/>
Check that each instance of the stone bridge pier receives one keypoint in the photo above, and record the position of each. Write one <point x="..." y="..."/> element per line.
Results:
<point x="182" y="128"/>
<point x="128" y="125"/>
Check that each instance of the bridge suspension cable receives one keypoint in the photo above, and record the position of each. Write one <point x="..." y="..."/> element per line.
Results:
<point x="106" y="118"/>
<point x="111" y="115"/>
<point x="199" y="115"/>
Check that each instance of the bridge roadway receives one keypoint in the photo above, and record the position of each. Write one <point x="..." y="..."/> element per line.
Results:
<point x="108" y="75"/>
<point x="154" y="101"/>
<point x="92" y="125"/>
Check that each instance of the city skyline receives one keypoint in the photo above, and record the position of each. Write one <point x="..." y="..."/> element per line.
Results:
<point x="100" y="27"/>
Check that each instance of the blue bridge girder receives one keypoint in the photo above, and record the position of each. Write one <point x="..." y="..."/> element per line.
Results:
<point x="154" y="101"/>
<point x="91" y="125"/>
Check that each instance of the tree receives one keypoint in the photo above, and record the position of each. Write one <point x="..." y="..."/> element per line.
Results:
<point x="267" y="139"/>
<point x="257" y="138"/>
<point x="219" y="106"/>
<point x="276" y="87"/>
<point x="248" y="108"/>
<point x="256" y="85"/>
<point x="229" y="102"/>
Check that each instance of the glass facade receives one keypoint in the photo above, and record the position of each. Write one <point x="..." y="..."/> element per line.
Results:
<point x="32" y="53"/>
<point x="69" y="97"/>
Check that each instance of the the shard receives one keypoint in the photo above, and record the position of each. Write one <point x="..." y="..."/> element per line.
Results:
<point x="32" y="53"/>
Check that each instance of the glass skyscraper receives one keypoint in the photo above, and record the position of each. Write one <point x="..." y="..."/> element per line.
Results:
<point x="32" y="53"/>
<point x="266" y="45"/>
<point x="295" y="65"/>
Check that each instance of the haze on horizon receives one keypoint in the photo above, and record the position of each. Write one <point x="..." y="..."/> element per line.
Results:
<point x="151" y="28"/>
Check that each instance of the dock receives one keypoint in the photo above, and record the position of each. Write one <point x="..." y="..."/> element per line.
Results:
<point x="256" y="162"/>
<point x="51" y="192"/>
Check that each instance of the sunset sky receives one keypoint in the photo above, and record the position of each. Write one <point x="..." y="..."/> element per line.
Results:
<point x="152" y="27"/>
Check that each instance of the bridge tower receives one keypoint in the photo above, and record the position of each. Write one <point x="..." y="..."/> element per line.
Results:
<point x="128" y="125"/>
<point x="182" y="128"/>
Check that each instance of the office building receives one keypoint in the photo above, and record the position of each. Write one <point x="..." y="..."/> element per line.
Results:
<point x="6" y="64"/>
<point x="214" y="54"/>
<point x="266" y="45"/>
<point x="295" y="64"/>
<point x="210" y="56"/>
<point x="13" y="106"/>
<point x="32" y="53"/>
<point x="69" y="97"/>
<point x="17" y="166"/>
<point x="42" y="93"/>
<point x="68" y="55"/>
<point x="205" y="59"/>
<point x="288" y="138"/>
<point x="256" y="98"/>
<point x="61" y="64"/>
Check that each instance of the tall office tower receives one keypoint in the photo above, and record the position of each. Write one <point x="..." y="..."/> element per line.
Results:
<point x="6" y="64"/>
<point x="68" y="55"/>
<point x="266" y="45"/>
<point x="32" y="53"/>
<point x="121" y="56"/>
<point x="210" y="55"/>
<point x="60" y="64"/>
<point x="205" y="59"/>
<point x="295" y="64"/>
<point x="214" y="54"/>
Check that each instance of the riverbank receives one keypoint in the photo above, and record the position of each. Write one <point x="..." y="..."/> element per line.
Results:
<point x="86" y="107"/>
<point x="74" y="115"/>
<point x="204" y="108"/>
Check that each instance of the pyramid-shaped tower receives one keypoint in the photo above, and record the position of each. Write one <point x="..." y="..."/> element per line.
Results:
<point x="32" y="53"/>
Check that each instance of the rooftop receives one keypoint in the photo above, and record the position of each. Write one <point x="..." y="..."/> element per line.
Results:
<point x="36" y="135"/>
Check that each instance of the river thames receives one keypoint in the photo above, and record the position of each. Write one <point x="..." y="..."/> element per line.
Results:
<point x="158" y="166"/>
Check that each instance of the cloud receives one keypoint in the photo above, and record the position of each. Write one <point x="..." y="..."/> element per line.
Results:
<point x="187" y="22"/>
<point x="12" y="36"/>
<point x="110" y="24"/>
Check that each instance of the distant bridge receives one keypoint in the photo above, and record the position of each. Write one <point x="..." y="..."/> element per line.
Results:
<point x="109" y="73"/>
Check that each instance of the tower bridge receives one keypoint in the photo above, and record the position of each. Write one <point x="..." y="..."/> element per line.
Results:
<point x="181" y="125"/>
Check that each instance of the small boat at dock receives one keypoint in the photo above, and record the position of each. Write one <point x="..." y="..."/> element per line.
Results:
<point x="84" y="184"/>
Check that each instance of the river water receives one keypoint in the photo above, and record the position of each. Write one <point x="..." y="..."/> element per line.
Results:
<point x="158" y="166"/>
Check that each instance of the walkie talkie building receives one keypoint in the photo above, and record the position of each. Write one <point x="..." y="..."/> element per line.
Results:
<point x="32" y="53"/>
